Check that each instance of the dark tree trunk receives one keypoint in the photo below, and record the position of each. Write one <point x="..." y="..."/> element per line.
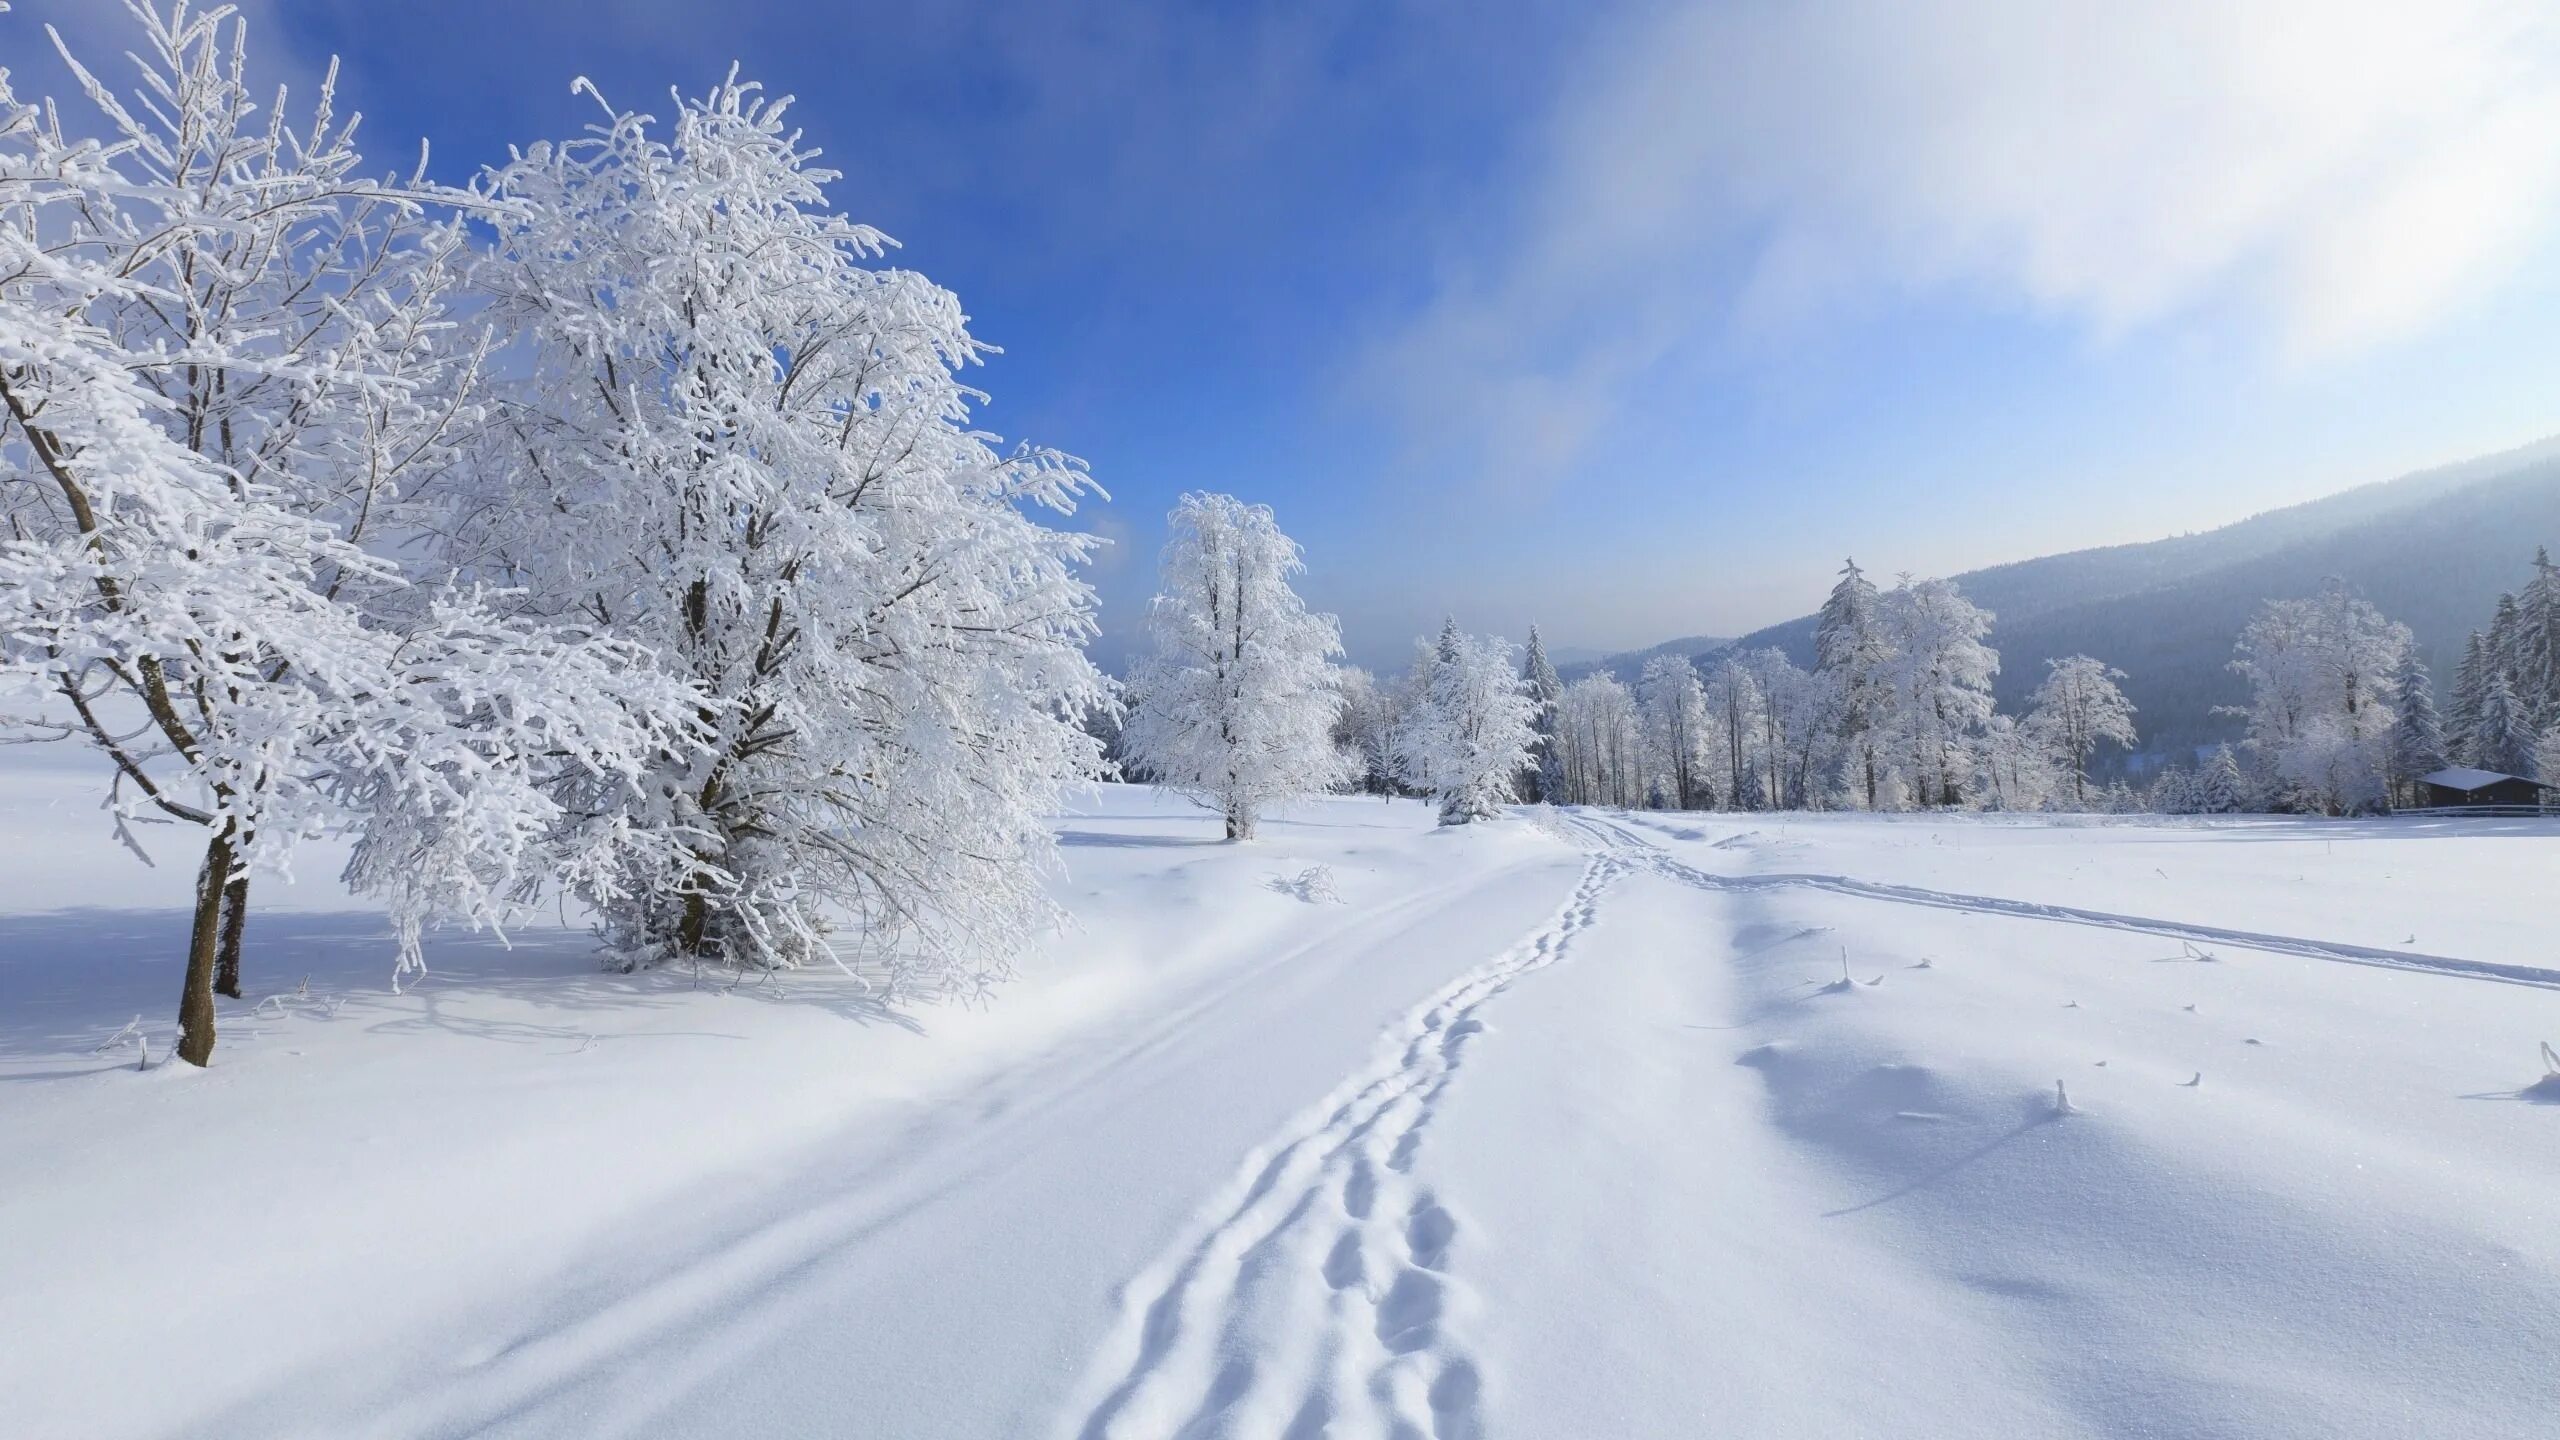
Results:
<point x="195" y="1002"/>
<point x="235" y="919"/>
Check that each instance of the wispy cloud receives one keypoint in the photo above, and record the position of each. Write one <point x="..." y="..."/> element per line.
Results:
<point x="2333" y="175"/>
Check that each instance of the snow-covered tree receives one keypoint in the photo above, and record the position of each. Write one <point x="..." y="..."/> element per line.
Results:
<point x="1238" y="701"/>
<point x="2470" y="682"/>
<point x="1468" y="738"/>
<point x="741" y="446"/>
<point x="1600" y="743"/>
<point x="2224" y="788"/>
<point x="2535" y="661"/>
<point x="1676" y="729"/>
<point x="1938" y="683"/>
<point x="1734" y="699"/>
<point x="1545" y="777"/>
<point x="2320" y="676"/>
<point x="234" y="381"/>
<point x="2417" y="736"/>
<point x="2546" y="756"/>
<point x="1851" y="652"/>
<point x="2021" y="767"/>
<point x="1365" y="729"/>
<point x="2076" y="707"/>
<point x="2502" y="737"/>
<point x="2174" y="791"/>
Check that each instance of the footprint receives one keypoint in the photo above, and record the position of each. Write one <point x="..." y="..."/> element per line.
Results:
<point x="1344" y="1267"/>
<point x="1312" y="1419"/>
<point x="1400" y="1159"/>
<point x="1427" y="1233"/>
<point x="1455" y="1397"/>
<point x="1360" y="1191"/>
<point x="1409" y="1318"/>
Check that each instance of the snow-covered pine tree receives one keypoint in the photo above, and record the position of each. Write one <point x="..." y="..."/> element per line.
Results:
<point x="1850" y="650"/>
<point x="2470" y="682"/>
<point x="2502" y="738"/>
<point x="2506" y="639"/>
<point x="2173" y="791"/>
<point x="2417" y="735"/>
<point x="1545" y="776"/>
<point x="2546" y="756"/>
<point x="1240" y="694"/>
<point x="2076" y="707"/>
<point x="233" y="382"/>
<point x="741" y="446"/>
<point x="1469" y="738"/>
<point x="2224" y="788"/>
<point x="2536" y="660"/>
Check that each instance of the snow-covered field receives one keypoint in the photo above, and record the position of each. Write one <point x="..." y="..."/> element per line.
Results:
<point x="1561" y="1126"/>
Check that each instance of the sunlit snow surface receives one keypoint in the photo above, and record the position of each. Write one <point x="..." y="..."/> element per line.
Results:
<point x="1562" y="1126"/>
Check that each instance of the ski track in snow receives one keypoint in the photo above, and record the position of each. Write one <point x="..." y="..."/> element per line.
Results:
<point x="1327" y="1248"/>
<point x="1320" y="1287"/>
<point x="1617" y="839"/>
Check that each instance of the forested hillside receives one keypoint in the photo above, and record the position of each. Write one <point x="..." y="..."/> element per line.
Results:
<point x="2432" y="550"/>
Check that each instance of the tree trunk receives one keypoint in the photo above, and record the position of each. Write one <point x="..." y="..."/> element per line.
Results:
<point x="195" y="1002"/>
<point x="1239" y="825"/>
<point x="235" y="919"/>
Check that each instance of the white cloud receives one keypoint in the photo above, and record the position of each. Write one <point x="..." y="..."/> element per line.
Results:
<point x="2338" y="175"/>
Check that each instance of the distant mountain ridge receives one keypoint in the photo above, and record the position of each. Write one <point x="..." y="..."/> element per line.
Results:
<point x="2432" y="549"/>
<point x="1628" y="664"/>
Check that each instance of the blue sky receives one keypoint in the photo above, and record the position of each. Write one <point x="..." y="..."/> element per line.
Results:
<point x="1630" y="320"/>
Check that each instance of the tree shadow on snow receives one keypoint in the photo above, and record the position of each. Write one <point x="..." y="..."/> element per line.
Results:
<point x="71" y="979"/>
<point x="1102" y="840"/>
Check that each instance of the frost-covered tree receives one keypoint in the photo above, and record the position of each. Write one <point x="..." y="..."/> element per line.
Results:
<point x="741" y="446"/>
<point x="1600" y="741"/>
<point x="2320" y="675"/>
<point x="2076" y="707"/>
<point x="2502" y="737"/>
<point x="1468" y="738"/>
<point x="2224" y="788"/>
<point x="2546" y="756"/>
<point x="1365" y="728"/>
<point x="2462" y="717"/>
<point x="1851" y="651"/>
<point x="234" y="382"/>
<point x="1239" y="698"/>
<point x="2021" y="767"/>
<point x="2535" y="661"/>
<point x="1733" y="698"/>
<point x="1545" y="777"/>
<point x="1938" y="676"/>
<point x="1676" y="729"/>
<point x="2417" y="735"/>
<point x="2173" y="791"/>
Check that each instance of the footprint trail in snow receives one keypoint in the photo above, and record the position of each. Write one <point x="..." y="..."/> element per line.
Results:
<point x="1318" y="1296"/>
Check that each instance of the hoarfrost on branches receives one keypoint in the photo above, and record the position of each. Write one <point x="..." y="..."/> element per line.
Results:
<point x="1237" y="703"/>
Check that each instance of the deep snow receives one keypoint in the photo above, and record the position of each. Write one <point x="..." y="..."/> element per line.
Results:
<point x="1557" y="1126"/>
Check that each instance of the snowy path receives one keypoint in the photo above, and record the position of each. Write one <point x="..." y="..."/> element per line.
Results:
<point x="1566" y="1127"/>
<point x="1807" y="1232"/>
<point x="1323" y="1284"/>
